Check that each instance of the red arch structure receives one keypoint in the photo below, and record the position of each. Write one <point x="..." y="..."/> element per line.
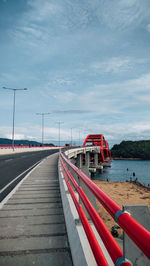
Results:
<point x="99" y="140"/>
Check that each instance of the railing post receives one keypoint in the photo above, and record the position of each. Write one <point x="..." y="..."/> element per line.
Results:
<point x="141" y="214"/>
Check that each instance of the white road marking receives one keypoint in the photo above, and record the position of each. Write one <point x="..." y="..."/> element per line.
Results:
<point x="18" y="185"/>
<point x="18" y="177"/>
<point x="8" y="160"/>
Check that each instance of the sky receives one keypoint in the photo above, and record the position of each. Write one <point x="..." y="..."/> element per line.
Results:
<point x="86" y="62"/>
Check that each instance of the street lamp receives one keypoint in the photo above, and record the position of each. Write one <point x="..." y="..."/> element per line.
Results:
<point x="42" y="114"/>
<point x="59" y="123"/>
<point x="79" y="137"/>
<point x="71" y="136"/>
<point x="14" y="103"/>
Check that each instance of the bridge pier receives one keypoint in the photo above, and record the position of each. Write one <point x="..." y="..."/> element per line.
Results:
<point x="86" y="165"/>
<point x="85" y="170"/>
<point x="79" y="162"/>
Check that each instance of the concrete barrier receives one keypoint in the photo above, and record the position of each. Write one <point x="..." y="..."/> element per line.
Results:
<point x="19" y="150"/>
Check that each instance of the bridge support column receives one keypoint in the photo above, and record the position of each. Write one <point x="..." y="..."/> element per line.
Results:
<point x="96" y="159"/>
<point x="97" y="165"/>
<point x="85" y="167"/>
<point x="79" y="161"/>
<point x="89" y="194"/>
<point x="87" y="159"/>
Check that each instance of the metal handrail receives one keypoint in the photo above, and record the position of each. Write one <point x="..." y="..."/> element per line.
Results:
<point x="98" y="254"/>
<point x="111" y="245"/>
<point x="139" y="235"/>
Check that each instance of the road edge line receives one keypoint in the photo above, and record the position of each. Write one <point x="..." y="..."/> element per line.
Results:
<point x="19" y="184"/>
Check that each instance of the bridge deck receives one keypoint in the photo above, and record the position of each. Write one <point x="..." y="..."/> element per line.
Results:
<point x="32" y="225"/>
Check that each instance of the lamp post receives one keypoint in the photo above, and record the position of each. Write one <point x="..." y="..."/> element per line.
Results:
<point x="79" y="138"/>
<point x="59" y="123"/>
<point x="14" y="105"/>
<point x="42" y="114"/>
<point x="71" y="136"/>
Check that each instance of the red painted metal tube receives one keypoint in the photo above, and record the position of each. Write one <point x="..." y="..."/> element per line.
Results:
<point x="133" y="229"/>
<point x="97" y="252"/>
<point x="105" y="200"/>
<point x="136" y="232"/>
<point x="111" y="245"/>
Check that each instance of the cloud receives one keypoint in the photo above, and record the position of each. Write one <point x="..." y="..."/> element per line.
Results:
<point x="32" y="30"/>
<point x="61" y="81"/>
<point x="148" y="27"/>
<point x="64" y="97"/>
<point x="4" y="133"/>
<point x="115" y="98"/>
<point x="71" y="112"/>
<point x="124" y="14"/>
<point x="143" y="98"/>
<point x="112" y="65"/>
<point x="43" y="10"/>
<point x="118" y="131"/>
<point x="76" y="15"/>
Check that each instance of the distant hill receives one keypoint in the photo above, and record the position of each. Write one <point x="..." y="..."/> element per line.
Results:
<point x="4" y="141"/>
<point x="132" y="149"/>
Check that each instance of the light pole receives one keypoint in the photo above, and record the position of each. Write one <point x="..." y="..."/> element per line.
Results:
<point x="59" y="123"/>
<point x="71" y="136"/>
<point x="79" y="138"/>
<point x="14" y="105"/>
<point x="42" y="114"/>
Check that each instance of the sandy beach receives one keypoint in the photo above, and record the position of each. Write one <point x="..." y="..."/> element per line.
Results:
<point x="123" y="193"/>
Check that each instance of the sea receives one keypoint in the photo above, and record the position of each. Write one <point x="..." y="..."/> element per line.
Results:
<point x="123" y="170"/>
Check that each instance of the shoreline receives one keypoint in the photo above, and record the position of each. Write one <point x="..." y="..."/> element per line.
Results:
<point x="128" y="159"/>
<point x="123" y="193"/>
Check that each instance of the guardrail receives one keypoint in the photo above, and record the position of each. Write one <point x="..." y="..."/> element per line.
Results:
<point x="134" y="230"/>
<point x="7" y="146"/>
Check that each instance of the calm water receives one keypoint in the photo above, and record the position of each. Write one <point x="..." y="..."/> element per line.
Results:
<point x="118" y="171"/>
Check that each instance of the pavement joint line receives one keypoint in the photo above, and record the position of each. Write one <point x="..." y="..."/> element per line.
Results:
<point x="41" y="208"/>
<point x="35" y="198"/>
<point x="34" y="236"/>
<point x="36" y="251"/>
<point x="39" y="190"/>
<point x="36" y="215"/>
<point x="18" y="185"/>
<point x="32" y="203"/>
<point x="16" y="210"/>
<point x="52" y="185"/>
<point x="49" y="223"/>
<point x="25" y="187"/>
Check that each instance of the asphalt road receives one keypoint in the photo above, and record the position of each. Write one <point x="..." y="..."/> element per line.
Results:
<point x="14" y="165"/>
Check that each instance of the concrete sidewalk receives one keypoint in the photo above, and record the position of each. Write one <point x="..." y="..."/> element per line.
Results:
<point x="32" y="225"/>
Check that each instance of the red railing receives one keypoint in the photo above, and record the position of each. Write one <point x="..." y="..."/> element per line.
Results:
<point x="135" y="231"/>
<point x="98" y="254"/>
<point x="7" y="146"/>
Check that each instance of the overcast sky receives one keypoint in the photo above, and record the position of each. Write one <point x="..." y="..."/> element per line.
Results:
<point x="87" y="62"/>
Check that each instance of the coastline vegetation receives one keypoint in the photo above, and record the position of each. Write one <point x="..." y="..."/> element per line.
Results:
<point x="132" y="149"/>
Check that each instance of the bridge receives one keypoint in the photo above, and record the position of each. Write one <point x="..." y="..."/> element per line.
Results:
<point x="50" y="217"/>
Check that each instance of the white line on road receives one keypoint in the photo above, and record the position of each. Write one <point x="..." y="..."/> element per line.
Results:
<point x="19" y="176"/>
<point x="19" y="184"/>
<point x="8" y="160"/>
